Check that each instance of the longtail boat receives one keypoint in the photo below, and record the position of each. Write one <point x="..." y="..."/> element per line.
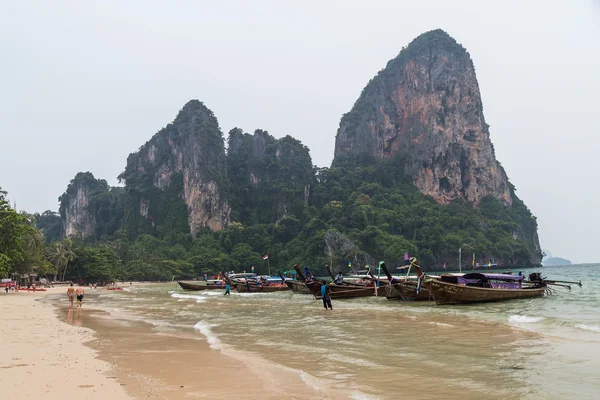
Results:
<point x="477" y="287"/>
<point x="254" y="284"/>
<point x="297" y="286"/>
<point x="201" y="285"/>
<point x="260" y="287"/>
<point x="345" y="290"/>
<point x="403" y="288"/>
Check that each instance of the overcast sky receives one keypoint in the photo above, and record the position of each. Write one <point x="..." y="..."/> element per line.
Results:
<point x="85" y="83"/>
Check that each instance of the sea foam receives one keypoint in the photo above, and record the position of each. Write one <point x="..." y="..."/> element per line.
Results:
<point x="204" y="328"/>
<point x="593" y="328"/>
<point x="199" y="299"/>
<point x="356" y="395"/>
<point x="523" y="319"/>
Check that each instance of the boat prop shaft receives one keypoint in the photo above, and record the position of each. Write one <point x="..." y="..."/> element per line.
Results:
<point x="573" y="283"/>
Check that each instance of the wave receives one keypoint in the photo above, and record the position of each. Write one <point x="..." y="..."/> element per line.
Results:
<point x="356" y="395"/>
<point x="213" y="341"/>
<point x="199" y="299"/>
<point x="442" y="324"/>
<point x="593" y="328"/>
<point x="523" y="319"/>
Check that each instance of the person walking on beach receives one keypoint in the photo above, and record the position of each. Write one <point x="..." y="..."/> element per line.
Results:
<point x="79" y="292"/>
<point x="227" y="289"/>
<point x="71" y="294"/>
<point x="325" y="297"/>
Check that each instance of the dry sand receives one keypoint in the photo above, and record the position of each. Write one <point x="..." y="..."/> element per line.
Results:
<point x="42" y="357"/>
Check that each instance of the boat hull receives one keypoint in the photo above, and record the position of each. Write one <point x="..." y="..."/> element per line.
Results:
<point x="450" y="293"/>
<point x="200" y="285"/>
<point x="242" y="288"/>
<point x="298" y="287"/>
<point x="345" y="292"/>
<point x="408" y="291"/>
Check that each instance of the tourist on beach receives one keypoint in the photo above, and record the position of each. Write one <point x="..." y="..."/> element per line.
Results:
<point x="71" y="294"/>
<point x="325" y="297"/>
<point x="79" y="292"/>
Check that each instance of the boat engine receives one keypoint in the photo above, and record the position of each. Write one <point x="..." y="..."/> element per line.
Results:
<point x="536" y="277"/>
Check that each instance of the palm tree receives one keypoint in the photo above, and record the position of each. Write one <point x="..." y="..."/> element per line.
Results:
<point x="69" y="255"/>
<point x="61" y="254"/>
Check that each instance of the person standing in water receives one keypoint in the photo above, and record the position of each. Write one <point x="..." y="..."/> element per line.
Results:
<point x="227" y="288"/>
<point x="325" y="297"/>
<point x="79" y="292"/>
<point x="71" y="294"/>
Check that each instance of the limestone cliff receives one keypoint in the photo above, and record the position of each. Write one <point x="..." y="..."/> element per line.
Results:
<point x="182" y="166"/>
<point x="271" y="178"/>
<point x="425" y="107"/>
<point x="77" y="216"/>
<point x="89" y="208"/>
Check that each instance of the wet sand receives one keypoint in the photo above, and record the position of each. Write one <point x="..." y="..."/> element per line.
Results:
<point x="42" y="357"/>
<point x="169" y="366"/>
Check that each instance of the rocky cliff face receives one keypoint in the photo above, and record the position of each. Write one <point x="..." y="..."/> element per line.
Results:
<point x="271" y="177"/>
<point x="89" y="208"/>
<point x="184" y="161"/>
<point x="425" y="107"/>
<point x="78" y="217"/>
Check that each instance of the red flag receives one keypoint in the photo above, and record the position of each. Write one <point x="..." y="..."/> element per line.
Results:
<point x="266" y="256"/>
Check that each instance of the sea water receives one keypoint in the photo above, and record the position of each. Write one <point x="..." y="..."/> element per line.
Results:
<point x="374" y="348"/>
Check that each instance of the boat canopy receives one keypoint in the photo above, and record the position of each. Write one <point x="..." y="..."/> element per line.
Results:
<point x="495" y="277"/>
<point x="494" y="281"/>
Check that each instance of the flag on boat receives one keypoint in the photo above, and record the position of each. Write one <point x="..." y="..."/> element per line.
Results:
<point x="266" y="256"/>
<point x="473" y="263"/>
<point x="349" y="264"/>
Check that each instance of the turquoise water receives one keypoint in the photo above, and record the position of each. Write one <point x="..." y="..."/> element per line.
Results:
<point x="374" y="348"/>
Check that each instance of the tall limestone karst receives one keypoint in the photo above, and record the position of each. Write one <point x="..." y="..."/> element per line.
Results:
<point x="271" y="178"/>
<point x="178" y="180"/>
<point x="425" y="109"/>
<point x="89" y="208"/>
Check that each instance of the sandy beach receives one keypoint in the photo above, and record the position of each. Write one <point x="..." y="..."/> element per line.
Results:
<point x="58" y="352"/>
<point x="43" y="357"/>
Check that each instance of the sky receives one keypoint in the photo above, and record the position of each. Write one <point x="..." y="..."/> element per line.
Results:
<point x="85" y="83"/>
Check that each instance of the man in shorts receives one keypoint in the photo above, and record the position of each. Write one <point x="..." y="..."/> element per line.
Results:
<point x="79" y="292"/>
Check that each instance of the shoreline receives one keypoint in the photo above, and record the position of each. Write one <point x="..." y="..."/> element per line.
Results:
<point x="151" y="361"/>
<point x="42" y="355"/>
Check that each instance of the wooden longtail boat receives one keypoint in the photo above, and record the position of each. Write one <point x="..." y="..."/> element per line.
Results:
<point x="262" y="288"/>
<point x="404" y="289"/>
<point x="408" y="291"/>
<point x="201" y="285"/>
<point x="477" y="287"/>
<point x="298" y="287"/>
<point x="343" y="291"/>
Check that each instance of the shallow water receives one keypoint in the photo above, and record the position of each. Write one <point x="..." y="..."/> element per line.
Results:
<point x="374" y="348"/>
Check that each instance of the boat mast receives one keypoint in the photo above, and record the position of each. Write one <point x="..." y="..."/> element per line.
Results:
<point x="460" y="259"/>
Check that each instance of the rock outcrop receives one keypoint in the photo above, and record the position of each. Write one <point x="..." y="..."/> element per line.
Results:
<point x="268" y="174"/>
<point x="186" y="161"/>
<point x="425" y="107"/>
<point x="77" y="214"/>
<point x="89" y="208"/>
